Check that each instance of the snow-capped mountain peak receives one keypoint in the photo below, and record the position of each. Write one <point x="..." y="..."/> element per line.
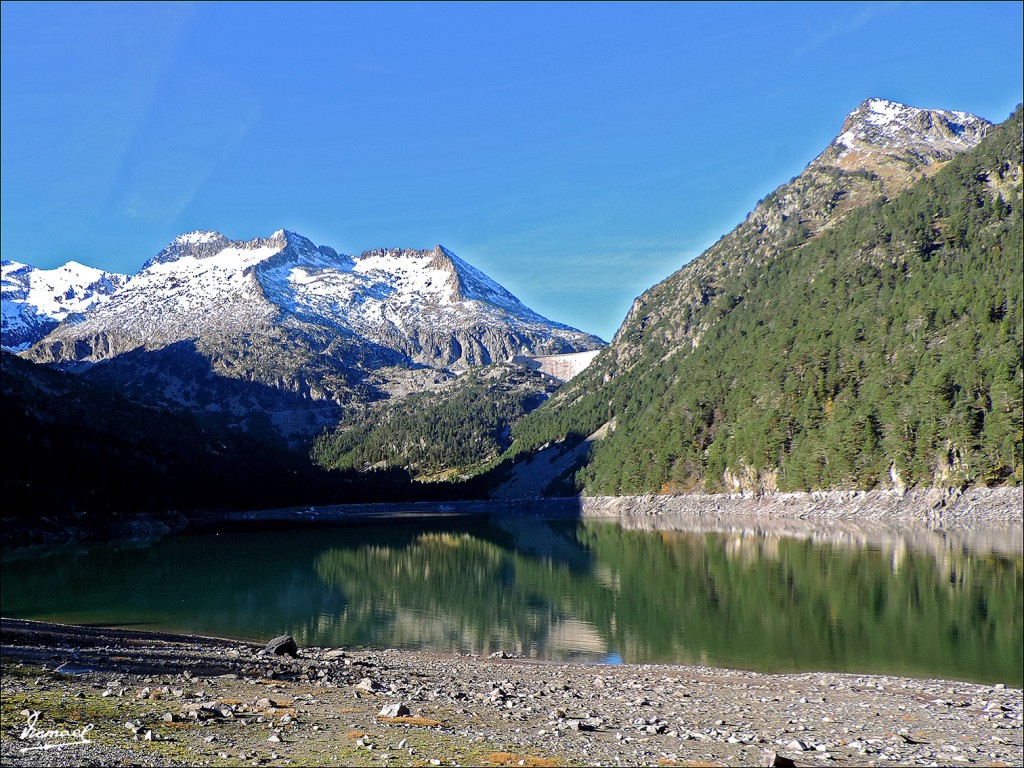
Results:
<point x="879" y="124"/>
<point x="203" y="285"/>
<point x="284" y="329"/>
<point x="196" y="244"/>
<point x="36" y="300"/>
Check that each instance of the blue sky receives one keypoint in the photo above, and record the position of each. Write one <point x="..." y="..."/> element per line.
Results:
<point x="578" y="153"/>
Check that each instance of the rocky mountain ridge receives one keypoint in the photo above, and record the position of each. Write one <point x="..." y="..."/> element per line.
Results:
<point x="884" y="148"/>
<point x="405" y="300"/>
<point x="929" y="135"/>
<point x="235" y="326"/>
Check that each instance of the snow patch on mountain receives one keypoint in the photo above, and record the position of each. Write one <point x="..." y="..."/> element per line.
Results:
<point x="414" y="275"/>
<point x="879" y="124"/>
<point x="185" y="298"/>
<point x="197" y="237"/>
<point x="37" y="300"/>
<point x="478" y="286"/>
<point x="428" y="305"/>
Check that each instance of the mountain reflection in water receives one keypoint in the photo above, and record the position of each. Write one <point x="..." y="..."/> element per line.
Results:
<point x="754" y="594"/>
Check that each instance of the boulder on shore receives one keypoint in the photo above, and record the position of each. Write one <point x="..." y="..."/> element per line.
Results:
<point x="285" y="644"/>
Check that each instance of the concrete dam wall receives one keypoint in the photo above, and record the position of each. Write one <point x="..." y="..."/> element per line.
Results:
<point x="561" y="367"/>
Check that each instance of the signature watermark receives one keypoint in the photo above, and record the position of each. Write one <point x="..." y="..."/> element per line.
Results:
<point x="56" y="738"/>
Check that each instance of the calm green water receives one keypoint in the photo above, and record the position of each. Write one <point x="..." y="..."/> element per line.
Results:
<point x="592" y="591"/>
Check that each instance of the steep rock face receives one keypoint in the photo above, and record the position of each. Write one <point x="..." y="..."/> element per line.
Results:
<point x="300" y="323"/>
<point x="35" y="301"/>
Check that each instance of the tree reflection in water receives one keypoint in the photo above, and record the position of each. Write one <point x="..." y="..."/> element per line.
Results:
<point x="914" y="602"/>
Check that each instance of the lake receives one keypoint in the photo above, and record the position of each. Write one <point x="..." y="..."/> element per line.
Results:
<point x="748" y="595"/>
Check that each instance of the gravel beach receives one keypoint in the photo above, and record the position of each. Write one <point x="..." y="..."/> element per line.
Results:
<point x="161" y="699"/>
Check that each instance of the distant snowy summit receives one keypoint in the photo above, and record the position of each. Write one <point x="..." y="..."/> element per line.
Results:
<point x="882" y="149"/>
<point x="430" y="306"/>
<point x="35" y="301"/>
<point x="274" y="328"/>
<point x="929" y="135"/>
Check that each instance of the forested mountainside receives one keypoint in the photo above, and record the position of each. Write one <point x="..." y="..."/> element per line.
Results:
<point x="862" y="328"/>
<point x="76" y="450"/>
<point x="439" y="434"/>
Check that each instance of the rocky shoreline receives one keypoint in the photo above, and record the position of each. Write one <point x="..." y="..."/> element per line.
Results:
<point x="161" y="699"/>
<point x="931" y="507"/>
<point x="934" y="508"/>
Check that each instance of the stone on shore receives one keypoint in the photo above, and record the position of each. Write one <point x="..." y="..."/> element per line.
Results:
<point x="368" y="685"/>
<point x="774" y="760"/>
<point x="285" y="644"/>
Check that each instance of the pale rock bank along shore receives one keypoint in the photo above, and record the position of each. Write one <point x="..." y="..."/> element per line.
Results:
<point x="976" y="508"/>
<point x="149" y="699"/>
<point x="933" y="507"/>
<point x="991" y="519"/>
